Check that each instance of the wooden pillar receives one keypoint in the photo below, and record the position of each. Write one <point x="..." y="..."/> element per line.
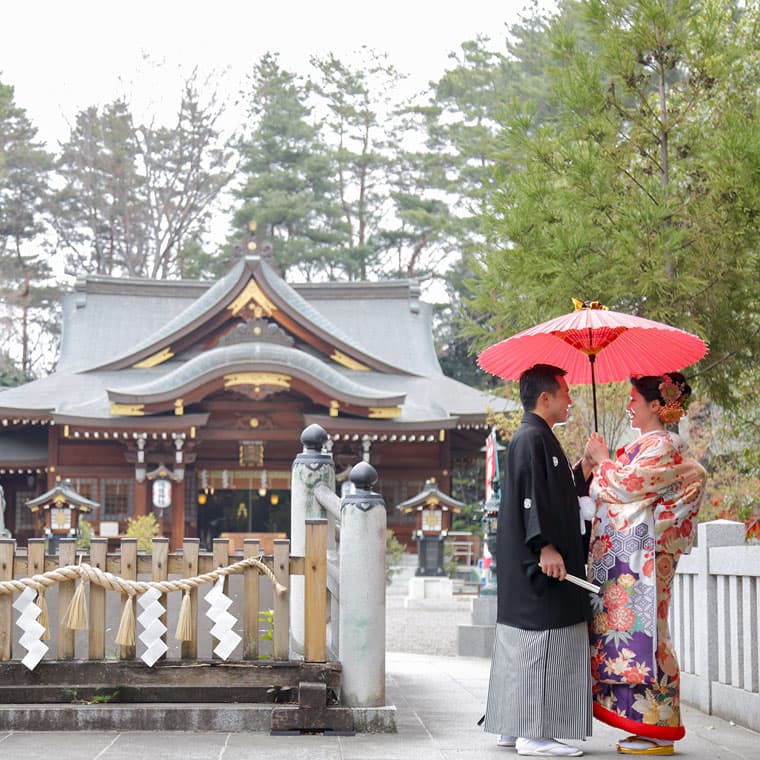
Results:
<point x="190" y="551"/>
<point x="315" y="592"/>
<point x="221" y="558"/>
<point x="281" y="618"/>
<point x="53" y="434"/>
<point x="177" y="518"/>
<point x="160" y="572"/>
<point x="444" y="460"/>
<point x="128" y="573"/>
<point x="97" y="618"/>
<point x="67" y="548"/>
<point x="142" y="506"/>
<point x="250" y="602"/>
<point x="7" y="552"/>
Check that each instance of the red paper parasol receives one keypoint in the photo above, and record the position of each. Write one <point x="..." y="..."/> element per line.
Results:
<point x="594" y="344"/>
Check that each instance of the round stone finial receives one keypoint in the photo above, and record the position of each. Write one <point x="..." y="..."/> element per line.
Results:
<point x="363" y="475"/>
<point x="313" y="437"/>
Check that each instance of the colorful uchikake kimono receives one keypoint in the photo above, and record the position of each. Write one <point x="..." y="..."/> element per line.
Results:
<point x="647" y="503"/>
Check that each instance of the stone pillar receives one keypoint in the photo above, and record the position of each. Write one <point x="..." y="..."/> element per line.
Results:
<point x="310" y="468"/>
<point x="362" y="592"/>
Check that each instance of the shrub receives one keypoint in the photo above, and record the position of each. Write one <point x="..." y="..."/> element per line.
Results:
<point x="143" y="528"/>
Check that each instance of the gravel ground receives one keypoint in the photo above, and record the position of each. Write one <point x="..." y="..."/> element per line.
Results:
<point x="428" y="627"/>
<point x="431" y="631"/>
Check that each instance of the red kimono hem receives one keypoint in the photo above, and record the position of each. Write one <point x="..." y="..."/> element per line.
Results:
<point x="671" y="733"/>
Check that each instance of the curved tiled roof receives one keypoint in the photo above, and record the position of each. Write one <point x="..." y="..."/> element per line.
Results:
<point x="431" y="492"/>
<point x="327" y="329"/>
<point x="219" y="296"/>
<point x="212" y="300"/>
<point x="241" y="356"/>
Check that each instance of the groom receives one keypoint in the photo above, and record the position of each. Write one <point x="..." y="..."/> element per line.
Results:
<point x="540" y="685"/>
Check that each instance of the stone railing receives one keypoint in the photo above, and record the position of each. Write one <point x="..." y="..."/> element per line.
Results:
<point x="715" y="618"/>
<point x="354" y="613"/>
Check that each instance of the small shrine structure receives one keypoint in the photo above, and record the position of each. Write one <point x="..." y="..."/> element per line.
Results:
<point x="433" y="510"/>
<point x="58" y="512"/>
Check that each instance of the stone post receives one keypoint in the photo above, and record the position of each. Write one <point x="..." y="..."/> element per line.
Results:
<point x="310" y="468"/>
<point x="362" y="592"/>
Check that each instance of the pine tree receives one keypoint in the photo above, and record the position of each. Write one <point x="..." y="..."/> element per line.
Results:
<point x="641" y="188"/>
<point x="26" y="311"/>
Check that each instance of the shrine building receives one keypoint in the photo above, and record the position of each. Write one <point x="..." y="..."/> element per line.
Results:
<point x="188" y="398"/>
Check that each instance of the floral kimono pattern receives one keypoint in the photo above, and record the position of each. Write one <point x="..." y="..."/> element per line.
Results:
<point x="646" y="512"/>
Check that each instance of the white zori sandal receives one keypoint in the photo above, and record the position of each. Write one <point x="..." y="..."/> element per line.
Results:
<point x="546" y="748"/>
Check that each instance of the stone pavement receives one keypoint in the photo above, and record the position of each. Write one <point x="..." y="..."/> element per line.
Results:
<point x="439" y="698"/>
<point x="439" y="701"/>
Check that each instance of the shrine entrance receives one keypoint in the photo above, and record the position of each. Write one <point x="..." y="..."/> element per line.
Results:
<point x="242" y="512"/>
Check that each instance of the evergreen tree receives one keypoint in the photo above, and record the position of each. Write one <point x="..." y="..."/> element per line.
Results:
<point x="99" y="214"/>
<point x="288" y="174"/>
<point x="134" y="193"/>
<point x="358" y="126"/>
<point x="25" y="277"/>
<point x="641" y="189"/>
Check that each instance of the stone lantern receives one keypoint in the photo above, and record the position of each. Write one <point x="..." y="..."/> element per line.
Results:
<point x="490" y="525"/>
<point x="434" y="510"/>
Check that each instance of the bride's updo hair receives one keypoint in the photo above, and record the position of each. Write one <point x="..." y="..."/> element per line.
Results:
<point x="670" y="389"/>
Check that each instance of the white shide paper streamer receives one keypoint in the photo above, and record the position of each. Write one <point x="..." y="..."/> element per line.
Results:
<point x="150" y="619"/>
<point x="223" y="620"/>
<point x="27" y="622"/>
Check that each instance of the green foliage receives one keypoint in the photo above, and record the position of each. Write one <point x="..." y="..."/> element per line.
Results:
<point x="640" y="186"/>
<point x="10" y="373"/>
<point x="266" y="619"/>
<point x="288" y="188"/>
<point x="143" y="528"/>
<point x="394" y="552"/>
<point x="469" y="519"/>
<point x="450" y="564"/>
<point x="28" y="316"/>
<point x="105" y="695"/>
<point x="733" y="484"/>
<point x="84" y="540"/>
<point x="133" y="194"/>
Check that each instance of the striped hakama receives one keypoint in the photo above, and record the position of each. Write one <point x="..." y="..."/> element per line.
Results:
<point x="540" y="685"/>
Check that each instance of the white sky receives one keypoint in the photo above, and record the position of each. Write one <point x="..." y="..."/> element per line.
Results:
<point x="64" y="55"/>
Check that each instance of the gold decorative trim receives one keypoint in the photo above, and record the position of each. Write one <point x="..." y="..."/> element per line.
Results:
<point x="441" y="435"/>
<point x="257" y="379"/>
<point x="252" y="292"/>
<point x="66" y="431"/>
<point x="152" y="361"/>
<point x="179" y="407"/>
<point x="334" y="407"/>
<point x="384" y="412"/>
<point x="346" y="361"/>
<point x="127" y="410"/>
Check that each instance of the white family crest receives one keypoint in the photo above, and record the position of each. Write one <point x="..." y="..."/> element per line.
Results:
<point x="556" y="461"/>
<point x="527" y="504"/>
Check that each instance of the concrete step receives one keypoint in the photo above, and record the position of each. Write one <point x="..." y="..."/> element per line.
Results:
<point x="198" y="717"/>
<point x="94" y="694"/>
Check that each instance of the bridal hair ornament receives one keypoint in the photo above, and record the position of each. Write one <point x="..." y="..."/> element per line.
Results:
<point x="674" y="401"/>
